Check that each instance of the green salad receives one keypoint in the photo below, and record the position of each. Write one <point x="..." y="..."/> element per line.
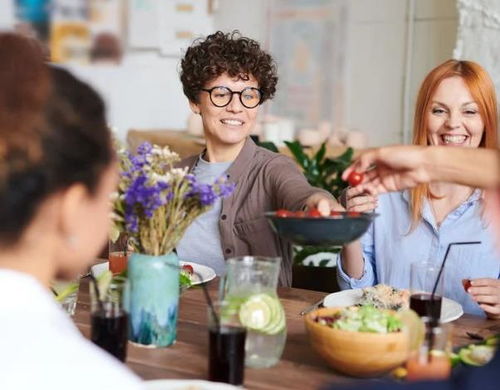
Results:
<point x="363" y="319"/>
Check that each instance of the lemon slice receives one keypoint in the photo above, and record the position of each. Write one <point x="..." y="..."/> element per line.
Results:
<point x="262" y="313"/>
<point x="255" y="312"/>
<point x="414" y="326"/>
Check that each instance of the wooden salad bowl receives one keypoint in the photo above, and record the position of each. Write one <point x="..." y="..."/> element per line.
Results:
<point x="359" y="354"/>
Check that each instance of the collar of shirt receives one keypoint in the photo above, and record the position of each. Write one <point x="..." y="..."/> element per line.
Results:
<point x="428" y="216"/>
<point x="239" y="165"/>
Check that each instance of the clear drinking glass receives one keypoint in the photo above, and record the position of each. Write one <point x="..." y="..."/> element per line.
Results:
<point x="118" y="254"/>
<point x="66" y="292"/>
<point x="250" y="287"/>
<point x="431" y="361"/>
<point x="109" y="318"/>
<point x="423" y="276"/>
<point x="226" y="345"/>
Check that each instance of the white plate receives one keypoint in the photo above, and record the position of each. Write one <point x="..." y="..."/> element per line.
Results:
<point x="450" y="310"/>
<point x="206" y="273"/>
<point x="186" y="384"/>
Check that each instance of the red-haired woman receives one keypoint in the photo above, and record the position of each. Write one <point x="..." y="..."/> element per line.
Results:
<point x="456" y="107"/>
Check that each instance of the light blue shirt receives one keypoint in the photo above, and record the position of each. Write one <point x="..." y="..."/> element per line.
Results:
<point x="389" y="250"/>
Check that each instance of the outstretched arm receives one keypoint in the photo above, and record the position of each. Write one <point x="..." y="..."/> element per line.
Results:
<point x="394" y="168"/>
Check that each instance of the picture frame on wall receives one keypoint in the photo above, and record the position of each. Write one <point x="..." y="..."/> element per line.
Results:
<point x="168" y="26"/>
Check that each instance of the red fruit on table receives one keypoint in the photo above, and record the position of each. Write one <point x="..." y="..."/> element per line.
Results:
<point x="299" y="214"/>
<point x="188" y="269"/>
<point x="314" y="212"/>
<point x="353" y="213"/>
<point x="335" y="213"/>
<point x="355" y="178"/>
<point x="283" y="213"/>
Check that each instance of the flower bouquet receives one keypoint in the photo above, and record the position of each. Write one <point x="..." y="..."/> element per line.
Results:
<point x="154" y="205"/>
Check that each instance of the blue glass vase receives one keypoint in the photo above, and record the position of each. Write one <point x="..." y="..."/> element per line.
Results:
<point x="153" y="299"/>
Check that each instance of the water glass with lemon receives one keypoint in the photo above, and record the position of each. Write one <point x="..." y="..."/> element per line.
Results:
<point x="250" y="287"/>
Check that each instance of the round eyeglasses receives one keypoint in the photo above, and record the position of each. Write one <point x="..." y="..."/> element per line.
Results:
<point x="250" y="97"/>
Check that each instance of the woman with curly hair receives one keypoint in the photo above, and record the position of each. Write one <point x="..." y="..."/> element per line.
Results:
<point x="226" y="78"/>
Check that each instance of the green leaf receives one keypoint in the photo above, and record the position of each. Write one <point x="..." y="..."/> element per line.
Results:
<point x="269" y="146"/>
<point x="320" y="154"/>
<point x="298" y="152"/>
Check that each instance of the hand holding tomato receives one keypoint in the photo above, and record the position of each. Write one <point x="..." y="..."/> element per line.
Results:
<point x="358" y="200"/>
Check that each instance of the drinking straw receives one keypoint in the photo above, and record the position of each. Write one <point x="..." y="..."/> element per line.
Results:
<point x="444" y="262"/>
<point x="433" y="320"/>
<point x="209" y="302"/>
<point x="207" y="296"/>
<point x="96" y="291"/>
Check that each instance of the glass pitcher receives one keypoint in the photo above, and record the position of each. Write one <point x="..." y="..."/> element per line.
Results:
<point x="249" y="287"/>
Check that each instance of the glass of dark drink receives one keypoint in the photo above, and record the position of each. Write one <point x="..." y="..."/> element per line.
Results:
<point x="423" y="276"/>
<point x="109" y="319"/>
<point x="226" y="355"/>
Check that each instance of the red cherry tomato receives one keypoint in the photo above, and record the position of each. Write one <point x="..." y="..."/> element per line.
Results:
<point x="353" y="213"/>
<point x="283" y="213"/>
<point x="334" y="213"/>
<point x="299" y="214"/>
<point x="188" y="269"/>
<point x="355" y="178"/>
<point x="313" y="213"/>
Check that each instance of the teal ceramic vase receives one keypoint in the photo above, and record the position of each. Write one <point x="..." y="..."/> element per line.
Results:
<point x="153" y="299"/>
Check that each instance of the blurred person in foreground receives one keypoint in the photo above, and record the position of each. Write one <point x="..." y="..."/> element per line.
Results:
<point x="227" y="77"/>
<point x="456" y="108"/>
<point x="57" y="171"/>
<point x="396" y="168"/>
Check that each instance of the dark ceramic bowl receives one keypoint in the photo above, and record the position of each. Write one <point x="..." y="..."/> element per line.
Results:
<point x="324" y="231"/>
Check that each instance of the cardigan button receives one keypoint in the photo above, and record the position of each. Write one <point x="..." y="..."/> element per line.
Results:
<point x="223" y="217"/>
<point x="228" y="250"/>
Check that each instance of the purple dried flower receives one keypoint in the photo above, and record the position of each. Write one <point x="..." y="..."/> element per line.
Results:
<point x="144" y="149"/>
<point x="147" y="197"/>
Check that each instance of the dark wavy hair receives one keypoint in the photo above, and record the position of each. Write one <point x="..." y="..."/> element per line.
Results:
<point x="229" y="53"/>
<point x="70" y="135"/>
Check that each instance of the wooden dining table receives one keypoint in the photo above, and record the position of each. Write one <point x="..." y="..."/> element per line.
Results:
<point x="299" y="368"/>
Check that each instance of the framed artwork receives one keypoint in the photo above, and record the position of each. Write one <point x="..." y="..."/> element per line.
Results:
<point x="168" y="26"/>
<point x="308" y="41"/>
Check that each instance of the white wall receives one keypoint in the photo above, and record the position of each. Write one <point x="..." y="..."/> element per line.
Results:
<point x="6" y="14"/>
<point x="143" y="93"/>
<point x="377" y="55"/>
<point x="146" y="92"/>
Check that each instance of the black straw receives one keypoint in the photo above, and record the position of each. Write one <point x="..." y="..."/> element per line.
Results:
<point x="433" y="320"/>
<point x="209" y="302"/>
<point x="207" y="296"/>
<point x="444" y="262"/>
